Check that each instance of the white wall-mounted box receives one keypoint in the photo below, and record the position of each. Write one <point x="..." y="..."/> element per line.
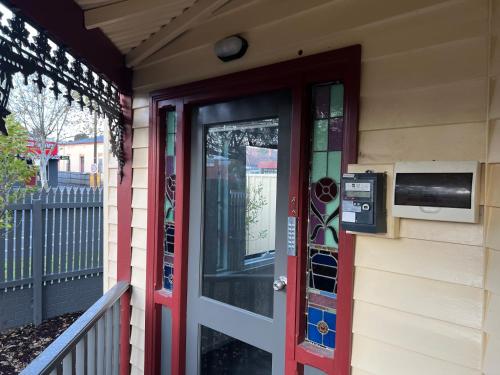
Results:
<point x="437" y="190"/>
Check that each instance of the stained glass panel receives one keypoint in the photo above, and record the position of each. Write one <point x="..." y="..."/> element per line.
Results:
<point x="322" y="102"/>
<point x="169" y="225"/>
<point x="320" y="135"/>
<point x="324" y="192"/>
<point x="336" y="100"/>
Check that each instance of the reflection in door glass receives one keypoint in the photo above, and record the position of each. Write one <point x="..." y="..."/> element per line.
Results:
<point x="225" y="355"/>
<point x="240" y="214"/>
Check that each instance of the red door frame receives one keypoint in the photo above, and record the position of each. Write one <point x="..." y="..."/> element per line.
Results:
<point x="297" y="75"/>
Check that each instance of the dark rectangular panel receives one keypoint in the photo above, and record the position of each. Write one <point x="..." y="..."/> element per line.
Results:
<point x="222" y="354"/>
<point x="453" y="190"/>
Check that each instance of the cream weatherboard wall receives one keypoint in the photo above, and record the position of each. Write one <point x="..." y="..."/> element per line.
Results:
<point x="109" y="180"/>
<point x="492" y="204"/>
<point x="429" y="301"/>
<point x="139" y="206"/>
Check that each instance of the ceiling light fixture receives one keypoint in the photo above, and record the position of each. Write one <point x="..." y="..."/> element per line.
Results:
<point x="231" y="48"/>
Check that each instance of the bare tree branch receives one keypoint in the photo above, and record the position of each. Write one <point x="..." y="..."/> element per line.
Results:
<point x="46" y="119"/>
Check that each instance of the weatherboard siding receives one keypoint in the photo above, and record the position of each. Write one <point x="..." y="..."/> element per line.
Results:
<point x="110" y="217"/>
<point x="428" y="301"/>
<point x="492" y="203"/>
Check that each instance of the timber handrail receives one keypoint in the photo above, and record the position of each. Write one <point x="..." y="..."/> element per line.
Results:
<point x="62" y="356"/>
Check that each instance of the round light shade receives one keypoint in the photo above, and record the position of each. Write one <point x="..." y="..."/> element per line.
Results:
<point x="231" y="48"/>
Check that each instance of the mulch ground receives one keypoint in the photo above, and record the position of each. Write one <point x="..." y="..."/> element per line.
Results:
<point x="19" y="346"/>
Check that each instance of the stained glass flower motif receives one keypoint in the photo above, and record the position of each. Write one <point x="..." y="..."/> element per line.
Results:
<point x="326" y="190"/>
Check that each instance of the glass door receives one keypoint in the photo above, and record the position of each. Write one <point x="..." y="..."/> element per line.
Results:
<point x="237" y="236"/>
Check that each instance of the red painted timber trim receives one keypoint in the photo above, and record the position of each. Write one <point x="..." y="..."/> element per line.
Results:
<point x="164" y="298"/>
<point x="156" y="185"/>
<point x="65" y="22"/>
<point x="297" y="207"/>
<point x="297" y="75"/>
<point x="341" y="365"/>
<point x="124" y="247"/>
<point x="315" y="358"/>
<point x="179" y="307"/>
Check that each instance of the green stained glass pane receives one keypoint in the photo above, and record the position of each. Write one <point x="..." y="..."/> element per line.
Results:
<point x="320" y="140"/>
<point x="337" y="100"/>
<point x="334" y="172"/>
<point x="171" y="122"/>
<point x="169" y="212"/>
<point x="334" y="164"/>
<point x="329" y="240"/>
<point x="171" y="144"/>
<point x="319" y="165"/>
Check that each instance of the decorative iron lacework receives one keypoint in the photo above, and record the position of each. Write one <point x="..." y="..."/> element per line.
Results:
<point x="323" y="240"/>
<point x="26" y="50"/>
<point x="169" y="225"/>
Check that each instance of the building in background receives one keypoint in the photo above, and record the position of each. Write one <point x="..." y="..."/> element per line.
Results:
<point x="81" y="162"/>
<point x="79" y="155"/>
<point x="51" y="149"/>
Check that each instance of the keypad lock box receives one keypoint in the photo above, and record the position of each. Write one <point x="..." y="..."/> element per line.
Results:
<point x="363" y="202"/>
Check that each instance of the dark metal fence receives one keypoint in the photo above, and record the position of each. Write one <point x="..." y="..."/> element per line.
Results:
<point x="56" y="237"/>
<point x="73" y="179"/>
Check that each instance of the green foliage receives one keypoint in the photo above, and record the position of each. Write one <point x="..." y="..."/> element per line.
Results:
<point x="14" y="171"/>
<point x="255" y="201"/>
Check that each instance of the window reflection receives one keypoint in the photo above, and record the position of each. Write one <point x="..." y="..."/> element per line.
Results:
<point x="240" y="214"/>
<point x="225" y="355"/>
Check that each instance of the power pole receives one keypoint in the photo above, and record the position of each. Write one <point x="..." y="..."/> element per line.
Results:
<point x="95" y="150"/>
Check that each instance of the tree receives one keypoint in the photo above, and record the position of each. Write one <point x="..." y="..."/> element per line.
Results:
<point x="48" y="120"/>
<point x="14" y="170"/>
<point x="255" y="201"/>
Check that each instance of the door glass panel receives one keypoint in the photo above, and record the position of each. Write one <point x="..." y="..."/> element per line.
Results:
<point x="225" y="355"/>
<point x="240" y="214"/>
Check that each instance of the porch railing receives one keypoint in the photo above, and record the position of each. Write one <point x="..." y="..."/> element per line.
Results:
<point x="90" y="345"/>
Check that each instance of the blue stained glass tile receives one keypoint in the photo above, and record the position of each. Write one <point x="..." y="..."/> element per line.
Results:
<point x="323" y="271"/>
<point x="324" y="259"/>
<point x="313" y="334"/>
<point x="168" y="277"/>
<point x="331" y="320"/>
<point x="329" y="340"/>
<point x="314" y="315"/>
<point x="169" y="238"/>
<point x="328" y="294"/>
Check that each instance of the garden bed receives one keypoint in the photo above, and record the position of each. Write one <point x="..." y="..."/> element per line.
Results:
<point x="20" y="346"/>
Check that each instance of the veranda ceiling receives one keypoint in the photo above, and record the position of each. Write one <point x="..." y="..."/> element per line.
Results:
<point x="141" y="27"/>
